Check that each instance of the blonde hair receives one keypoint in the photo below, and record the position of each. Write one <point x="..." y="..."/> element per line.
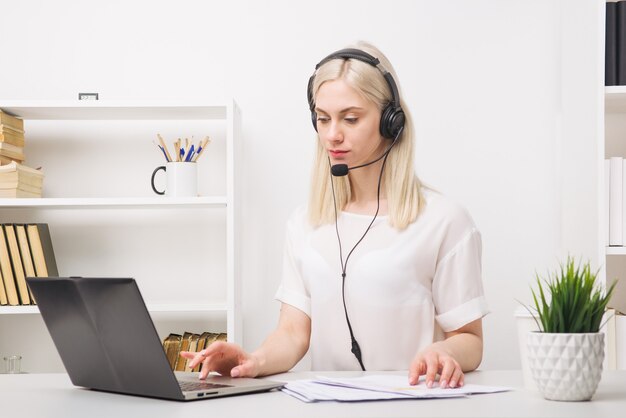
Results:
<point x="401" y="184"/>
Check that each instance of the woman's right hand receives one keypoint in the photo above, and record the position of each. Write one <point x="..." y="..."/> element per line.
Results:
<point x="227" y="359"/>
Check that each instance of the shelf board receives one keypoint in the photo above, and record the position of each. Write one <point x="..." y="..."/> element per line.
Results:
<point x="177" y="307"/>
<point x="187" y="307"/>
<point x="615" y="250"/>
<point x="114" y="202"/>
<point x="113" y="110"/>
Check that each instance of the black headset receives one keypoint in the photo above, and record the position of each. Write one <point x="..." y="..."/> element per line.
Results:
<point x="392" y="118"/>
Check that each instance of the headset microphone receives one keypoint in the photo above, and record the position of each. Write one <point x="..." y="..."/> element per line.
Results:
<point x="340" y="170"/>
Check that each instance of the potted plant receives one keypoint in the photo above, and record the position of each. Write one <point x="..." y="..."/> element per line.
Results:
<point x="566" y="355"/>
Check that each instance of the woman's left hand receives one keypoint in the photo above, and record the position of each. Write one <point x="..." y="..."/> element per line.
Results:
<point x="432" y="360"/>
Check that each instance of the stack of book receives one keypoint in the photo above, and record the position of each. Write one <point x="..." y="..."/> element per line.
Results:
<point x="18" y="180"/>
<point x="175" y="343"/>
<point x="25" y="251"/>
<point x="11" y="139"/>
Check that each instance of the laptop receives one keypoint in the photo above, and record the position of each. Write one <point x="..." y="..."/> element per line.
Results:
<point x="107" y="341"/>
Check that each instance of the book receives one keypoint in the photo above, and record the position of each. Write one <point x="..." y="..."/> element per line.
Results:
<point x="11" y="121"/>
<point x="171" y="345"/>
<point x="7" y="270"/>
<point x="23" y="187"/>
<point x="193" y="347"/>
<point x="11" y="138"/>
<point x="16" y="261"/>
<point x="5" y="160"/>
<point x="13" y="172"/>
<point x="182" y="362"/>
<point x="42" y="250"/>
<point x="9" y="193"/>
<point x="27" y="258"/>
<point x="10" y="129"/>
<point x="610" y="51"/>
<point x="11" y="151"/>
<point x="615" y="201"/>
<point x="201" y="345"/>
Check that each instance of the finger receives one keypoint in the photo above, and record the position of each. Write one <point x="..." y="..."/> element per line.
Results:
<point x="446" y="372"/>
<point x="432" y="367"/>
<point x="206" y="367"/>
<point x="416" y="369"/>
<point x="195" y="358"/>
<point x="461" y="380"/>
<point x="456" y="377"/>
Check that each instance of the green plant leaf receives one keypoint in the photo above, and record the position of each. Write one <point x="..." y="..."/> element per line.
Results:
<point x="571" y="301"/>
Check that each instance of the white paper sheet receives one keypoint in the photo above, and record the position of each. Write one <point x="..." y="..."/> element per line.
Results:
<point x="376" y="387"/>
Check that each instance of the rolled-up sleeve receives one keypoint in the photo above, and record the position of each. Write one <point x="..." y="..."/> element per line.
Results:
<point x="457" y="288"/>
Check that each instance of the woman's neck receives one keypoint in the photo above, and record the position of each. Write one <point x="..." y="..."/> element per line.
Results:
<point x="364" y="190"/>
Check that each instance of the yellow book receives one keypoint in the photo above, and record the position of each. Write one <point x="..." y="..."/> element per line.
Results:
<point x="182" y="362"/>
<point x="7" y="128"/>
<point x="171" y="345"/>
<point x="193" y="347"/>
<point x="7" y="270"/>
<point x="16" y="260"/>
<point x="23" y="187"/>
<point x="27" y="258"/>
<point x="11" y="193"/>
<point x="5" y="160"/>
<point x="10" y="137"/>
<point x="16" y="174"/>
<point x="11" y="121"/>
<point x="11" y="151"/>
<point x="42" y="251"/>
<point x="201" y="345"/>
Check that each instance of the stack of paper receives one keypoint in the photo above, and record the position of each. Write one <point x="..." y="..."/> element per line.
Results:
<point x="376" y="387"/>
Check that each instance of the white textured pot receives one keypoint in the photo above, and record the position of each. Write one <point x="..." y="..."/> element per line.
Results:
<point x="566" y="367"/>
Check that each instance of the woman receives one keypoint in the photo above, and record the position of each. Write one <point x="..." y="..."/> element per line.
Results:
<point x="380" y="273"/>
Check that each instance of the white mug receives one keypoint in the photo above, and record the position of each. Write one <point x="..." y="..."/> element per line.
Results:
<point x="182" y="179"/>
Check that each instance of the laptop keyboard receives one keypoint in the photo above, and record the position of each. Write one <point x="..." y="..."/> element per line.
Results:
<point x="191" y="386"/>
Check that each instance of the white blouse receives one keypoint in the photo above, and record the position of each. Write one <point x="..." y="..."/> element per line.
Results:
<point x="403" y="288"/>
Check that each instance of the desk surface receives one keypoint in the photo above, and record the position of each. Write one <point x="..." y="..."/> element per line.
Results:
<point x="52" y="395"/>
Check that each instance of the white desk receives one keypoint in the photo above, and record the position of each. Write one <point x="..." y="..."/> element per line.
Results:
<point x="52" y="395"/>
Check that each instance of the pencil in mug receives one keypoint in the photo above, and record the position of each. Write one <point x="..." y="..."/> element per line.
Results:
<point x="162" y="150"/>
<point x="179" y="149"/>
<point x="201" y="148"/>
<point x="165" y="150"/>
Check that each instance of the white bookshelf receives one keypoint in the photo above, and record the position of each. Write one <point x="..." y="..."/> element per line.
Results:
<point x="72" y="122"/>
<point x="611" y="143"/>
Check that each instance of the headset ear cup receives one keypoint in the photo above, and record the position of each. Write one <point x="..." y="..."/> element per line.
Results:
<point x="391" y="120"/>
<point x="314" y="120"/>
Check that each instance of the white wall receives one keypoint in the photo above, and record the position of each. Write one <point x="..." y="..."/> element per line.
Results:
<point x="482" y="79"/>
